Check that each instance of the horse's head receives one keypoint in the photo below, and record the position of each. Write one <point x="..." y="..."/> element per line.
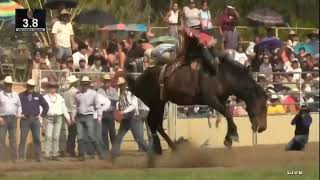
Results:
<point x="256" y="102"/>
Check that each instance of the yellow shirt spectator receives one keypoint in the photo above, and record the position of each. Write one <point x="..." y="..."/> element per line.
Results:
<point x="276" y="109"/>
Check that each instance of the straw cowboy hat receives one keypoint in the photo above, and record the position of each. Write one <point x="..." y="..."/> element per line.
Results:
<point x="8" y="80"/>
<point x="72" y="79"/>
<point x="292" y="32"/>
<point x="85" y="79"/>
<point x="274" y="96"/>
<point x="107" y="77"/>
<point x="121" y="80"/>
<point x="64" y="12"/>
<point x="31" y="82"/>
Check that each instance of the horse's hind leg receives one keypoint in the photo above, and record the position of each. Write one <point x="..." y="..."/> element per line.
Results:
<point x="166" y="137"/>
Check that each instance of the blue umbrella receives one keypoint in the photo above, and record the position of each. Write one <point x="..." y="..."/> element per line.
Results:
<point x="268" y="44"/>
<point x="308" y="48"/>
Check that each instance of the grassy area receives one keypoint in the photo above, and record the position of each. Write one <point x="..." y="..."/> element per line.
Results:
<point x="168" y="174"/>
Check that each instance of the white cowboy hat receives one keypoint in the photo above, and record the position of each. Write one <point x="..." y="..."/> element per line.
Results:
<point x="31" y="82"/>
<point x="72" y="79"/>
<point x="270" y="86"/>
<point x="295" y="90"/>
<point x="65" y="12"/>
<point x="85" y="79"/>
<point x="106" y="77"/>
<point x="292" y="32"/>
<point x="274" y="96"/>
<point x="121" y="80"/>
<point x="8" y="80"/>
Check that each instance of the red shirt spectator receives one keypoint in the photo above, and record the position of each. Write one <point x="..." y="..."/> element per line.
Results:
<point x="228" y="19"/>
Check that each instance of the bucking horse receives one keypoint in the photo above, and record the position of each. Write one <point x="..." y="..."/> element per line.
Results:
<point x="181" y="84"/>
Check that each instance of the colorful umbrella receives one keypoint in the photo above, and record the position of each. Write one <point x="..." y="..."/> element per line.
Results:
<point x="308" y="48"/>
<point x="8" y="9"/>
<point x="269" y="44"/>
<point x="124" y="27"/>
<point x="266" y="16"/>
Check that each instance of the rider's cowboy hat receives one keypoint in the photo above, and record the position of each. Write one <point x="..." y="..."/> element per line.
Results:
<point x="107" y="77"/>
<point x="8" y="80"/>
<point x="31" y="82"/>
<point x="72" y="79"/>
<point x="121" y="80"/>
<point x="274" y="96"/>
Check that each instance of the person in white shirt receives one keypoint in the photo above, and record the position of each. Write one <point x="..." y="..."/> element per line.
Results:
<point x="87" y="104"/>
<point x="10" y="110"/>
<point x="96" y="67"/>
<point x="63" y="35"/>
<point x="206" y="19"/>
<point x="53" y="121"/>
<point x="191" y="15"/>
<point x="79" y="55"/>
<point x="172" y="18"/>
<point x="296" y="70"/>
<point x="127" y="106"/>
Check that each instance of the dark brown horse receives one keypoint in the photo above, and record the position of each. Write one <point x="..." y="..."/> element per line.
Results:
<point x="189" y="87"/>
<point x="186" y="86"/>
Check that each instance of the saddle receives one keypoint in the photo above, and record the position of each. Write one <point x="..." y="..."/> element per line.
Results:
<point x="178" y="76"/>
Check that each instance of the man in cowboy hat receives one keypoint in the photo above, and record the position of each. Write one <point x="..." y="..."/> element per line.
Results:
<point x="87" y="103"/>
<point x="69" y="97"/>
<point x="108" y="125"/>
<point x="31" y="117"/>
<point x="10" y="110"/>
<point x="53" y="121"/>
<point x="128" y="107"/>
<point x="63" y="35"/>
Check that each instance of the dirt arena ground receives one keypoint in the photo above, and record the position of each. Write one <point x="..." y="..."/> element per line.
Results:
<point x="186" y="157"/>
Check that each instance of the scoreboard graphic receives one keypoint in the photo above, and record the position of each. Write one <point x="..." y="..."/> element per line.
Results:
<point x="28" y="20"/>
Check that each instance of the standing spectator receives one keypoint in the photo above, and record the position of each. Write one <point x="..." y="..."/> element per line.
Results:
<point x="96" y="67"/>
<point x="108" y="125"/>
<point x="191" y="15"/>
<point x="30" y="103"/>
<point x="10" y="110"/>
<point x="172" y="18"/>
<point x="127" y="105"/>
<point x="227" y="24"/>
<point x="293" y="39"/>
<point x="69" y="97"/>
<point x="81" y="54"/>
<point x="22" y="61"/>
<point x="86" y="104"/>
<point x="63" y="35"/>
<point x="266" y="67"/>
<point x="205" y="18"/>
<point x="302" y="121"/>
<point x="53" y="121"/>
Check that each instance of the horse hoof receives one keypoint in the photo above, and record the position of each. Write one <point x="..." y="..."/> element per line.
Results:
<point x="234" y="138"/>
<point x="228" y="144"/>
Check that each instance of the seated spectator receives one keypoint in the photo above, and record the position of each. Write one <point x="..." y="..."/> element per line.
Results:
<point x="80" y="54"/>
<point x="70" y="65"/>
<point x="293" y="39"/>
<point x="83" y="66"/>
<point x="275" y="107"/>
<point x="266" y="67"/>
<point x="121" y="55"/>
<point x="296" y="70"/>
<point x="22" y="60"/>
<point x="96" y="67"/>
<point x="37" y="58"/>
<point x="290" y="101"/>
<point x="241" y="57"/>
<point x="302" y="53"/>
<point x="289" y="82"/>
